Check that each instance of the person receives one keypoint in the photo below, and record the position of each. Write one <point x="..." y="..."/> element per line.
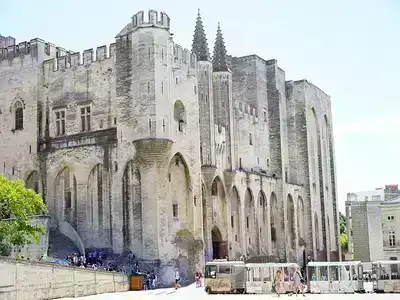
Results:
<point x="197" y="278"/>
<point x="177" y="279"/>
<point x="153" y="279"/>
<point x="278" y="282"/>
<point x="298" y="282"/>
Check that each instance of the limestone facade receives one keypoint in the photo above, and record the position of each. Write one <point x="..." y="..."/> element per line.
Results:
<point x="133" y="143"/>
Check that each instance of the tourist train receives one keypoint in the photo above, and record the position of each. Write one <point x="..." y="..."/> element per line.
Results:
<point x="344" y="277"/>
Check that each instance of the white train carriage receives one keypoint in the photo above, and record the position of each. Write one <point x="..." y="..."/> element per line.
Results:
<point x="344" y="277"/>
<point x="386" y="276"/>
<point x="260" y="277"/>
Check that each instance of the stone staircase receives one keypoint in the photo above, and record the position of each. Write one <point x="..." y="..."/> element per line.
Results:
<point x="60" y="246"/>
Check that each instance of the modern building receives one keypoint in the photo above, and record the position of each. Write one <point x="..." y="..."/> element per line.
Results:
<point x="371" y="223"/>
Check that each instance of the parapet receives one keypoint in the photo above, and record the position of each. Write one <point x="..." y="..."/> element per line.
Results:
<point x="35" y="48"/>
<point x="247" y="111"/>
<point x="184" y="58"/>
<point x="75" y="59"/>
<point x="154" y="19"/>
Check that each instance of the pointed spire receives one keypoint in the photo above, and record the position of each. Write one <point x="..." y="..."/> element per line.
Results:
<point x="219" y="57"/>
<point x="200" y="45"/>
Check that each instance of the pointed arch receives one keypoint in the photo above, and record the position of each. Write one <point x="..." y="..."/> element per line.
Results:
<point x="66" y="197"/>
<point x="180" y="115"/>
<point x="316" y="233"/>
<point x="236" y="218"/>
<point x="97" y="191"/>
<point x="263" y="219"/>
<point x="179" y="187"/>
<point x="250" y="224"/>
<point x="291" y="227"/>
<point x="32" y="181"/>
<point x="18" y="110"/>
<point x="300" y="218"/>
<point x="132" y="217"/>
<point x="274" y="216"/>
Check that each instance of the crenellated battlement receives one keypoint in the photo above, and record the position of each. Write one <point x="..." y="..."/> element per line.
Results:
<point x="247" y="111"/>
<point x="152" y="19"/>
<point x="35" y="48"/>
<point x="89" y="56"/>
<point x="183" y="57"/>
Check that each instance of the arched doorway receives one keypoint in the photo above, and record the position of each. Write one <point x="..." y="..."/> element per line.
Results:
<point x="216" y="238"/>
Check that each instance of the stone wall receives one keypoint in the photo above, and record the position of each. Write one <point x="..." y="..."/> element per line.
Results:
<point x="23" y="280"/>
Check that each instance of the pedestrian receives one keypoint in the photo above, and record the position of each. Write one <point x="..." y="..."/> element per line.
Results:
<point x="298" y="282"/>
<point x="153" y="278"/>
<point x="177" y="279"/>
<point x="278" y="282"/>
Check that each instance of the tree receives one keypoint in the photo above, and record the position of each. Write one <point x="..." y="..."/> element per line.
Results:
<point x="344" y="239"/>
<point x="17" y="205"/>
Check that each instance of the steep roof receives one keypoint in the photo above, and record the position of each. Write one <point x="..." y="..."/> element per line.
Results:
<point x="219" y="57"/>
<point x="200" y="45"/>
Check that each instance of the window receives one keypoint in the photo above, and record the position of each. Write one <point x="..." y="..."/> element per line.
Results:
<point x="85" y="118"/>
<point x="60" y="122"/>
<point x="195" y="90"/>
<point x="265" y="116"/>
<point x="163" y="125"/>
<point x="366" y="198"/>
<point x="392" y="239"/>
<point x="250" y="139"/>
<point x="175" y="210"/>
<point x="195" y="200"/>
<point x="19" y="116"/>
<point x="247" y="222"/>
<point x="232" y="221"/>
<point x="162" y="87"/>
<point x="390" y="218"/>
<point x="180" y="125"/>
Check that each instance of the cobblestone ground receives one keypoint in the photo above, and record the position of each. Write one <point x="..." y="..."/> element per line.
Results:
<point x="193" y="293"/>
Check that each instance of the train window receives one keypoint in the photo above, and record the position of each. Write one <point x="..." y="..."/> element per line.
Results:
<point x="224" y="270"/>
<point x="211" y="271"/>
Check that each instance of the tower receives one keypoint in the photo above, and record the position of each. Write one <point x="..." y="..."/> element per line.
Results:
<point x="222" y="91"/>
<point x="205" y="93"/>
<point x="157" y="113"/>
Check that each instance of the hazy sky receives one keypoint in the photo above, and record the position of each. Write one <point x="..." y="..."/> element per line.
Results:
<point x="350" y="49"/>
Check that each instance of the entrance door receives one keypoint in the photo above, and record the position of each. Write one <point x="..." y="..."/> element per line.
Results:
<point x="216" y="243"/>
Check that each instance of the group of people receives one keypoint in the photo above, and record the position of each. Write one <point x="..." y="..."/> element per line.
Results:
<point x="298" y="279"/>
<point x="149" y="280"/>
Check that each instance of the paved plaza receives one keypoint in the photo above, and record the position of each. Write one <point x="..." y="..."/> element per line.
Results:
<point x="193" y="293"/>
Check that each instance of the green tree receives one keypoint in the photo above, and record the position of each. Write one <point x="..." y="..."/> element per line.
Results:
<point x="344" y="239"/>
<point x="343" y="223"/>
<point x="17" y="205"/>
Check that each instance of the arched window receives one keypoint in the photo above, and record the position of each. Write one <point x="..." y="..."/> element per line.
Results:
<point x="19" y="116"/>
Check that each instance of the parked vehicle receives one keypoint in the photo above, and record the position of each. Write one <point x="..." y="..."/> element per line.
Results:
<point x="222" y="276"/>
<point x="335" y="277"/>
<point x="386" y="276"/>
<point x="260" y="277"/>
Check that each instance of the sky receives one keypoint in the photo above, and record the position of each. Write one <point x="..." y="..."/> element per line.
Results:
<point x="350" y="49"/>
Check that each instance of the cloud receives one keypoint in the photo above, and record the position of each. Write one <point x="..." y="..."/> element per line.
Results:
<point x="371" y="125"/>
